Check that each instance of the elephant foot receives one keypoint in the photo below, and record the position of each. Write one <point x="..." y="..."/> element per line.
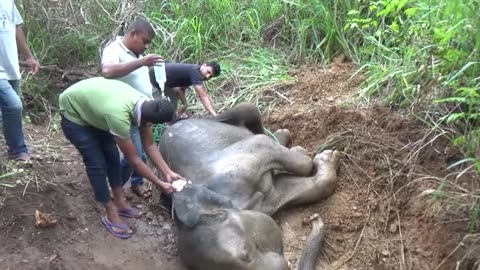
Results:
<point x="283" y="136"/>
<point x="327" y="165"/>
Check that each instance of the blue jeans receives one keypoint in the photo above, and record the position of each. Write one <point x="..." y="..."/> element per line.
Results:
<point x="127" y="170"/>
<point x="100" y="156"/>
<point x="11" y="115"/>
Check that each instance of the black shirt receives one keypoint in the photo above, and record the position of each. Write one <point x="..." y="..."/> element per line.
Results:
<point x="182" y="75"/>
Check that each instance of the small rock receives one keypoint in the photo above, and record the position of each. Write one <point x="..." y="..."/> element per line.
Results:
<point x="418" y="251"/>
<point x="354" y="208"/>
<point x="386" y="253"/>
<point x="18" y="182"/>
<point x="160" y="219"/>
<point x="304" y="238"/>
<point x="24" y="261"/>
<point x="393" y="227"/>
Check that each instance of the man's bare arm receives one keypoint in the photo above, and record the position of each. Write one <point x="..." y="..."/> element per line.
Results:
<point x="116" y="70"/>
<point x="202" y="94"/>
<point x="153" y="153"/>
<point x="128" y="149"/>
<point x="112" y="71"/>
<point x="25" y="50"/>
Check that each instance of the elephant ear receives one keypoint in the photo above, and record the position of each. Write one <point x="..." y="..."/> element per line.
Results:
<point x="194" y="201"/>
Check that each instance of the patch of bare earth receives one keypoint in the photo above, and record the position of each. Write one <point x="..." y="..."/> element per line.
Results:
<point x="58" y="185"/>
<point x="382" y="215"/>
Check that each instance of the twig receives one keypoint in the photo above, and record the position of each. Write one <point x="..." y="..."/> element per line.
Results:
<point x="357" y="243"/>
<point x="282" y="96"/>
<point x="401" y="241"/>
<point x="26" y="186"/>
<point x="64" y="73"/>
<point x="461" y="244"/>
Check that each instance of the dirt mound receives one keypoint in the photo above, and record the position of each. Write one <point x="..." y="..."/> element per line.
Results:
<point x="378" y="217"/>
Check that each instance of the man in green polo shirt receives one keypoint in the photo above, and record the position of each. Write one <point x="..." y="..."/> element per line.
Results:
<point x="97" y="115"/>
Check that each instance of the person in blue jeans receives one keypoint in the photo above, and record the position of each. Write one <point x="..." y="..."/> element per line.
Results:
<point x="97" y="116"/>
<point x="13" y="39"/>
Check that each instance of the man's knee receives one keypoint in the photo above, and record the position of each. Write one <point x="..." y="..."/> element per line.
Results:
<point x="13" y="104"/>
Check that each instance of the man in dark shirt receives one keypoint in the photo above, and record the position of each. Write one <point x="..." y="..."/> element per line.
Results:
<point x="181" y="76"/>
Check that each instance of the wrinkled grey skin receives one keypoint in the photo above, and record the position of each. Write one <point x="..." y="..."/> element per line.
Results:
<point x="240" y="178"/>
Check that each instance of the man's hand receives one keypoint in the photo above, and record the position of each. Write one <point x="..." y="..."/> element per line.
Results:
<point x="166" y="188"/>
<point x="172" y="176"/>
<point x="182" y="110"/>
<point x="151" y="59"/>
<point x="32" y="65"/>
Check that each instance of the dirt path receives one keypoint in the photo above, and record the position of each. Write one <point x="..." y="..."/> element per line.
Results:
<point x="78" y="240"/>
<point x="376" y="219"/>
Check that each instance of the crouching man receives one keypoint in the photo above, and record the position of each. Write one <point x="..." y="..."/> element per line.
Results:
<point x="97" y="115"/>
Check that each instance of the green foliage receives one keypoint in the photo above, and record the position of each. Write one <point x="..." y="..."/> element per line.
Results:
<point x="474" y="218"/>
<point x="191" y="30"/>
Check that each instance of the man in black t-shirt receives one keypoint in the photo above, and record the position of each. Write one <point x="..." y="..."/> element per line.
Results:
<point x="181" y="76"/>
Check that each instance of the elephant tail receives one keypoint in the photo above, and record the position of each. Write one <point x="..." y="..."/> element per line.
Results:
<point x="313" y="244"/>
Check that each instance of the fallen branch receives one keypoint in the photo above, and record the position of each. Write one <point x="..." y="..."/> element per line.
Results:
<point x="62" y="72"/>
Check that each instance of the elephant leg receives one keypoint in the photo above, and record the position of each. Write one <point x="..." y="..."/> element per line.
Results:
<point x="283" y="136"/>
<point x="248" y="167"/>
<point x="293" y="190"/>
<point x="244" y="114"/>
<point x="265" y="155"/>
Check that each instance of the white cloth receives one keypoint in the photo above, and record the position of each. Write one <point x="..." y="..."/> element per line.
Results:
<point x="115" y="53"/>
<point x="9" y="19"/>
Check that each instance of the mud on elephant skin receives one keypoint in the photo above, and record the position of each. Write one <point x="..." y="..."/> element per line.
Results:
<point x="240" y="177"/>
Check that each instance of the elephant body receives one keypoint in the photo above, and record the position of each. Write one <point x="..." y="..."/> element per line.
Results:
<point x="240" y="177"/>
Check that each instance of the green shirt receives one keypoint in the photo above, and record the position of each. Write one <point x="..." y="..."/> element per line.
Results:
<point x="102" y="103"/>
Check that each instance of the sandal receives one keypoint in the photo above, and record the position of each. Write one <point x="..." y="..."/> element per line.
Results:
<point x="146" y="194"/>
<point x="130" y="212"/>
<point x="110" y="226"/>
<point x="25" y="157"/>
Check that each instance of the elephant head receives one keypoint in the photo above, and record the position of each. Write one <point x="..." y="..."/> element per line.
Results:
<point x="212" y="234"/>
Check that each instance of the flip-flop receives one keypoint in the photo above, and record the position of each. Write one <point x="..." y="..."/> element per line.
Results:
<point x="129" y="212"/>
<point x="109" y="225"/>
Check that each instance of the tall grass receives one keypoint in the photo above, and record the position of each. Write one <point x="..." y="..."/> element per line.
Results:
<point x="192" y="30"/>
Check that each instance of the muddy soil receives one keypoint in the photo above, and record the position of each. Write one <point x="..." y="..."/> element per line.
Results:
<point x="377" y="219"/>
<point x="380" y="217"/>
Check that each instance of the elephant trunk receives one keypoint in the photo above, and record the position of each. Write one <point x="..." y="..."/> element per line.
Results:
<point x="312" y="245"/>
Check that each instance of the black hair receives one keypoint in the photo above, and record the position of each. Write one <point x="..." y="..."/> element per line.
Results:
<point x="216" y="68"/>
<point x="141" y="24"/>
<point x="157" y="111"/>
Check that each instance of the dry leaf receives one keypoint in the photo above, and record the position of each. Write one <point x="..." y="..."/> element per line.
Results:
<point x="44" y="220"/>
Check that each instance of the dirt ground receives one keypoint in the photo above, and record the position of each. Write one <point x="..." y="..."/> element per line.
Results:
<point x="382" y="215"/>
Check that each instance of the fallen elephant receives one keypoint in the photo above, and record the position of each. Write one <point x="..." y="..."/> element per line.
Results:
<point x="240" y="177"/>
